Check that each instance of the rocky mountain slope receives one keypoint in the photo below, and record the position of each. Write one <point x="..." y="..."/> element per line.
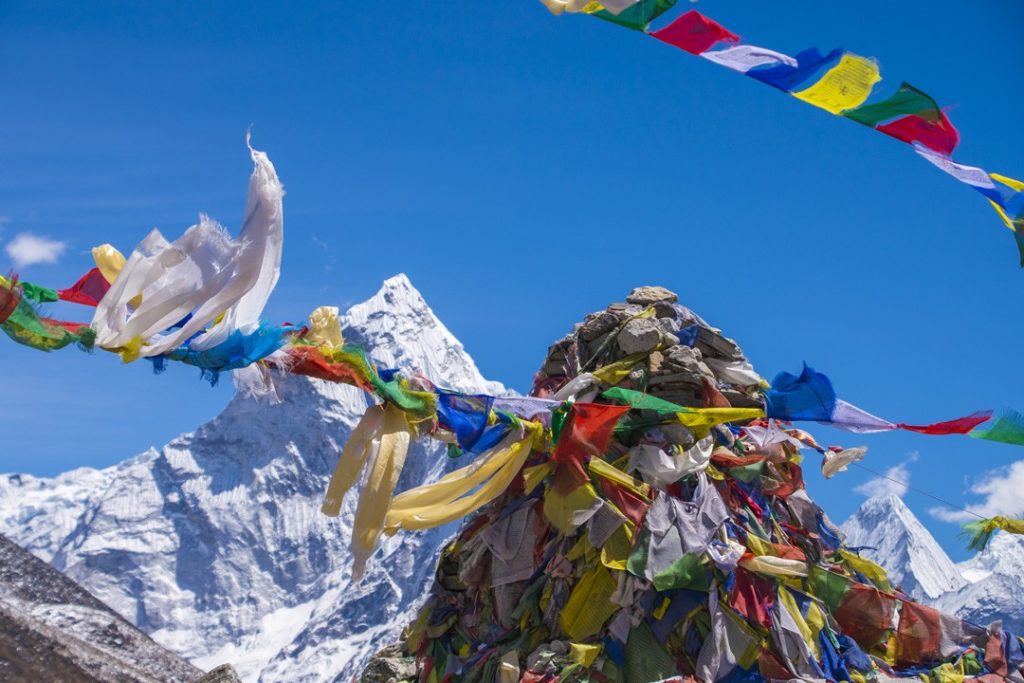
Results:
<point x="51" y="629"/>
<point x="983" y="589"/>
<point x="215" y="544"/>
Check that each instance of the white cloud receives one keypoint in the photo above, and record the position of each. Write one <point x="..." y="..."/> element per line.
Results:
<point x="896" y="481"/>
<point x="1001" y="489"/>
<point x="27" y="249"/>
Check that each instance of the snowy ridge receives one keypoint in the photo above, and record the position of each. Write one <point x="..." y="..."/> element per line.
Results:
<point x="994" y="577"/>
<point x="983" y="589"/>
<point x="215" y="544"/>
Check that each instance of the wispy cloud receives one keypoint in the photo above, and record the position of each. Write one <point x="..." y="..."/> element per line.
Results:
<point x="896" y="480"/>
<point x="27" y="249"/>
<point x="1001" y="490"/>
<point x="328" y="251"/>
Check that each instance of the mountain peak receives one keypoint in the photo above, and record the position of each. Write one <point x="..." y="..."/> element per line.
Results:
<point x="892" y="536"/>
<point x="399" y="312"/>
<point x="215" y="544"/>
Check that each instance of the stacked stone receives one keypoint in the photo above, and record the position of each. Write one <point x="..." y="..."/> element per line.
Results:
<point x="664" y="551"/>
<point x="682" y="352"/>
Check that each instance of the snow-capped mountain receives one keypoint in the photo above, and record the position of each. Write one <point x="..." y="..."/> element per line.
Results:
<point x="995" y="577"/>
<point x="215" y="544"/>
<point x="983" y="589"/>
<point x="895" y="538"/>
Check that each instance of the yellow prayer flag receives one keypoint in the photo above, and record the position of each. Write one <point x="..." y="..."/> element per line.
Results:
<point x="584" y="655"/>
<point x="325" y="328"/>
<point x="608" y="472"/>
<point x="353" y="457"/>
<point x="845" y="86"/>
<point x="374" y="499"/>
<point x="1015" y="184"/>
<point x="589" y="605"/>
<point x="872" y="571"/>
<point x="566" y="513"/>
<point x="109" y="261"/>
<point x="613" y="373"/>
<point x="709" y="417"/>
<point x="449" y="499"/>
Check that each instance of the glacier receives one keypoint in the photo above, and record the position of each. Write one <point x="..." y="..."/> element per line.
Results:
<point x="215" y="544"/>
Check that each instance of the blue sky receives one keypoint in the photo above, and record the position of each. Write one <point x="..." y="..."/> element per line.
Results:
<point x="524" y="169"/>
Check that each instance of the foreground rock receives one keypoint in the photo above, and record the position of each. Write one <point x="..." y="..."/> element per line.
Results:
<point x="390" y="665"/>
<point x="52" y="629"/>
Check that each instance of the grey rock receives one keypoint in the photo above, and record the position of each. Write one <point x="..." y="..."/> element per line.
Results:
<point x="679" y="435"/>
<point x="683" y="359"/>
<point x="645" y="296"/>
<point x="597" y="324"/>
<point x="717" y="346"/>
<point x="669" y="323"/>
<point x="225" y="673"/>
<point x="52" y="629"/>
<point x="639" y="336"/>
<point x="390" y="665"/>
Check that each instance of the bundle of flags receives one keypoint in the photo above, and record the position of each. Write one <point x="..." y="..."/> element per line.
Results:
<point x="840" y="82"/>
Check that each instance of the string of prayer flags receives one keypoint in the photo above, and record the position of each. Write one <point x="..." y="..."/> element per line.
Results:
<point x="840" y="82"/>
<point x="981" y="532"/>
<point x="24" y="325"/>
<point x="810" y="396"/>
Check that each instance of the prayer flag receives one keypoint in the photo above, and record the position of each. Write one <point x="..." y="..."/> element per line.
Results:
<point x="809" y="396"/>
<point x="638" y="15"/>
<point x="88" y="291"/>
<point x="844" y="86"/>
<point x="695" y="33"/>
<point x="961" y="425"/>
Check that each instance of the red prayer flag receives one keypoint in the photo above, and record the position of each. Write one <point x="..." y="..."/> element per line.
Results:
<point x="960" y="425"/>
<point x="939" y="136"/>
<point x="752" y="596"/>
<point x="865" y="614"/>
<point x="630" y="504"/>
<point x="995" y="658"/>
<point x="10" y="296"/>
<point x="589" y="431"/>
<point x="695" y="33"/>
<point x="771" y="666"/>
<point x="919" y="634"/>
<point x="88" y="291"/>
<point x="311" y="362"/>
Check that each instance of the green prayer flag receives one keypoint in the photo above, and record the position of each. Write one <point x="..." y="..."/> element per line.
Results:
<point x="1007" y="428"/>
<point x="636" y="563"/>
<point x="907" y="101"/>
<point x="639" y="15"/>
<point x="748" y="473"/>
<point x="642" y="401"/>
<point x="686" y="572"/>
<point x="646" y="659"/>
<point x="37" y="293"/>
<point x="828" y="587"/>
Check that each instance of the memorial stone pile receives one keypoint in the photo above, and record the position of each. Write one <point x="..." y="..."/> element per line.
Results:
<point x="644" y="542"/>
